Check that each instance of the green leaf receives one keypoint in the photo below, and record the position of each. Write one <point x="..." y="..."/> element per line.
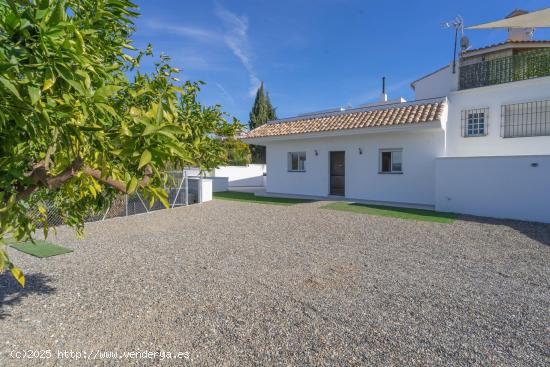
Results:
<point x="18" y="275"/>
<point x="79" y="42"/>
<point x="163" y="197"/>
<point x="106" y="91"/>
<point x="58" y="13"/>
<point x="24" y="24"/>
<point x="42" y="209"/>
<point x="149" y="129"/>
<point x="145" y="158"/>
<point x="76" y="85"/>
<point x="108" y="108"/>
<point x="48" y="83"/>
<point x="34" y="93"/>
<point x="69" y="77"/>
<point x="132" y="185"/>
<point x="159" y="113"/>
<point x="9" y="86"/>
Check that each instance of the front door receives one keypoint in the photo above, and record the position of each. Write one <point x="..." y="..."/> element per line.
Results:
<point x="337" y="173"/>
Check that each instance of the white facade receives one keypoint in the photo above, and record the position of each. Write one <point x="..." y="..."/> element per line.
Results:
<point x="362" y="178"/>
<point x="493" y="97"/>
<point x="486" y="175"/>
<point x="514" y="187"/>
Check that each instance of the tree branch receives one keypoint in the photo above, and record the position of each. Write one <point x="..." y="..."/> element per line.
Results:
<point x="39" y="178"/>
<point x="117" y="184"/>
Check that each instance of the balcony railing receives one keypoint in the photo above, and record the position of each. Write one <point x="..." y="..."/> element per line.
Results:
<point x="521" y="66"/>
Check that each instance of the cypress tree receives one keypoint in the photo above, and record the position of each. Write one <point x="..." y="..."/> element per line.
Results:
<point x="262" y="111"/>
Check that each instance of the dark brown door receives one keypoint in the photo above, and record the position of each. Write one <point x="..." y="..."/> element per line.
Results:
<point x="337" y="173"/>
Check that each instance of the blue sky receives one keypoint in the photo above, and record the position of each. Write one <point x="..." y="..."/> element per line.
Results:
<point x="311" y="54"/>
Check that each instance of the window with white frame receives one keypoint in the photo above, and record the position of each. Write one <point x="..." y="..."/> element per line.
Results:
<point x="297" y="161"/>
<point x="391" y="161"/>
<point x="525" y="119"/>
<point x="474" y="122"/>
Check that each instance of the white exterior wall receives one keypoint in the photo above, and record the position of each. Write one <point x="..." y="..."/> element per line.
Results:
<point x="415" y="186"/>
<point x="205" y="191"/>
<point x="502" y="187"/>
<point x="493" y="97"/>
<point x="438" y="84"/>
<point x="219" y="184"/>
<point x="250" y="175"/>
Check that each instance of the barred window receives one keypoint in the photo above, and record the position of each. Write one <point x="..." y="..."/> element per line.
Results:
<point x="297" y="161"/>
<point x="474" y="122"/>
<point x="525" y="119"/>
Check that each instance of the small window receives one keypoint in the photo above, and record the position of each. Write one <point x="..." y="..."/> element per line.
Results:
<point x="474" y="122"/>
<point x="391" y="161"/>
<point x="297" y="161"/>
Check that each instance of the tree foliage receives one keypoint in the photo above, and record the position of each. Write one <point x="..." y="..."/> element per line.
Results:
<point x="238" y="153"/>
<point x="262" y="112"/>
<point x="75" y="130"/>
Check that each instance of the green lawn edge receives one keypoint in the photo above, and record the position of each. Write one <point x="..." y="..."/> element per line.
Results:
<point x="250" y="197"/>
<point x="395" y="212"/>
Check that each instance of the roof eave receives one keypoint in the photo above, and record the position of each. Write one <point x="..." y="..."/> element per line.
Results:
<point x="505" y="46"/>
<point x="410" y="127"/>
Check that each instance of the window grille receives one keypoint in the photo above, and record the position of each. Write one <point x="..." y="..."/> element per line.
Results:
<point x="525" y="119"/>
<point x="475" y="122"/>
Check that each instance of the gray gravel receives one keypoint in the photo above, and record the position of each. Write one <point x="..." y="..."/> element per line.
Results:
<point x="236" y="283"/>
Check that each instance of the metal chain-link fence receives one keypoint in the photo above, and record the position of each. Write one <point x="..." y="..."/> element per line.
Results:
<point x="181" y="189"/>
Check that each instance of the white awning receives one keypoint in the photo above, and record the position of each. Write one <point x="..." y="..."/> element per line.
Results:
<point x="536" y="19"/>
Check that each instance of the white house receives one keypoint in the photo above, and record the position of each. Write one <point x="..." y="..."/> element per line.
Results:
<point x="475" y="141"/>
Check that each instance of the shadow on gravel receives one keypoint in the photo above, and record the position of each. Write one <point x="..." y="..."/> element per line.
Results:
<point x="11" y="292"/>
<point x="539" y="232"/>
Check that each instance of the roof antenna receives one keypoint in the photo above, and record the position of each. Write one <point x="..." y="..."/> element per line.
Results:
<point x="458" y="25"/>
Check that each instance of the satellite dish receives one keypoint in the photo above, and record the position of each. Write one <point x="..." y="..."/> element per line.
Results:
<point x="464" y="43"/>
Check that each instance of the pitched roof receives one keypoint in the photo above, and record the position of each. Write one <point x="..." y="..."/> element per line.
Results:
<point x="392" y="115"/>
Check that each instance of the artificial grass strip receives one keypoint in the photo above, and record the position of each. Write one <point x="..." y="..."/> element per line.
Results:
<point x="386" y="211"/>
<point x="40" y="248"/>
<point x="250" y="197"/>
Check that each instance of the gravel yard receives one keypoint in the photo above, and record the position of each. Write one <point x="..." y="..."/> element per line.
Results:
<point x="237" y="284"/>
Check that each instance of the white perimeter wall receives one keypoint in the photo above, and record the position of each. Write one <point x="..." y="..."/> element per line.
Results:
<point x="250" y="175"/>
<point x="501" y="187"/>
<point x="493" y="97"/>
<point x="416" y="185"/>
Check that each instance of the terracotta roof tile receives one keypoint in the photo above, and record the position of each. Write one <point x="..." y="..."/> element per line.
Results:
<point x="353" y="119"/>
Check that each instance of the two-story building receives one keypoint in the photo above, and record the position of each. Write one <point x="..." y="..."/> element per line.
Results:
<point x="475" y="140"/>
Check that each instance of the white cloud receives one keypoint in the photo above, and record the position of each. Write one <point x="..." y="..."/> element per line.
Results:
<point x="225" y="93"/>
<point x="236" y="38"/>
<point x="199" y="34"/>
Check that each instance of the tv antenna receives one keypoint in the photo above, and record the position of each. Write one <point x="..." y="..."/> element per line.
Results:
<point x="458" y="24"/>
